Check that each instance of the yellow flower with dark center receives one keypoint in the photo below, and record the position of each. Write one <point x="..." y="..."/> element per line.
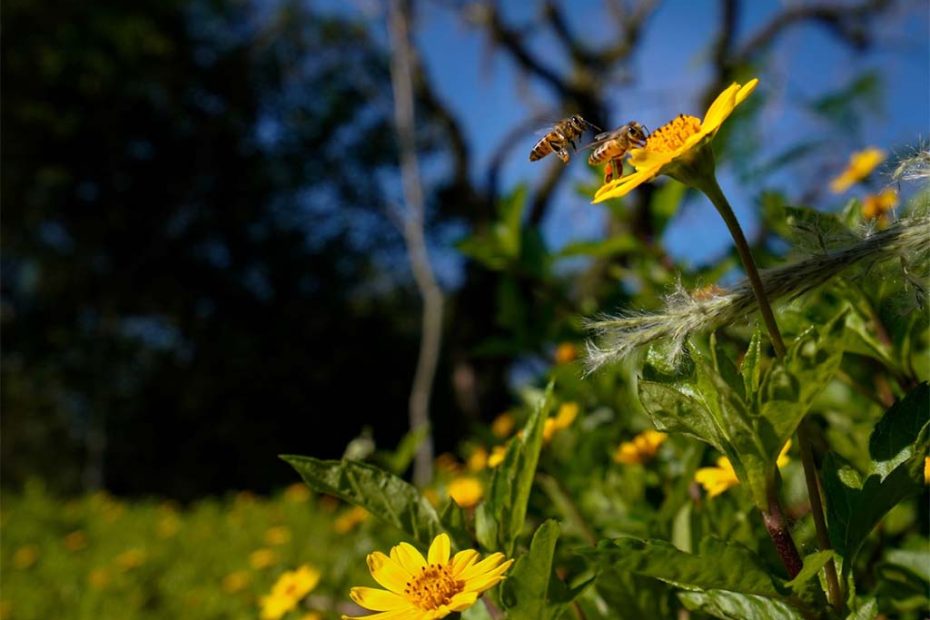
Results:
<point x="349" y="519"/>
<point x="678" y="148"/>
<point x="289" y="590"/>
<point x="861" y="165"/>
<point x="877" y="206"/>
<point x="716" y="480"/>
<point x="466" y="491"/>
<point x="447" y="463"/>
<point x="497" y="456"/>
<point x="563" y="419"/>
<point x="503" y="425"/>
<point x="641" y="448"/>
<point x="419" y="588"/>
<point x="566" y="352"/>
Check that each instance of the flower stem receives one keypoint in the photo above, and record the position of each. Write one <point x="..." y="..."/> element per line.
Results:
<point x="774" y="518"/>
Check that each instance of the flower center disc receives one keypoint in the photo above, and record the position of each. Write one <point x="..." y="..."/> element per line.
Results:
<point x="433" y="587"/>
<point x="671" y="136"/>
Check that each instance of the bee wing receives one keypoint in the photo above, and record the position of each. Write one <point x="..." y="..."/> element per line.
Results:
<point x="600" y="139"/>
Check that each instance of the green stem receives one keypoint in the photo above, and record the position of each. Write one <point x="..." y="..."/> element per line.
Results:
<point x="712" y="190"/>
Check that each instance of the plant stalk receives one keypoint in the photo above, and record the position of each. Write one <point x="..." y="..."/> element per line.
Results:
<point x="787" y="550"/>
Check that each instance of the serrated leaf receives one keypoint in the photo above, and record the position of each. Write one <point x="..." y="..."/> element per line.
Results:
<point x="499" y="520"/>
<point x="818" y="232"/>
<point x="867" y="611"/>
<point x="632" y="597"/>
<point x="525" y="592"/>
<point x="736" y="606"/>
<point x="382" y="494"/>
<point x="717" y="565"/>
<point x="895" y="438"/>
<point x="674" y="412"/>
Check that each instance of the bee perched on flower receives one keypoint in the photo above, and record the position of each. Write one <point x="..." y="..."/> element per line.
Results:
<point x="419" y="588"/>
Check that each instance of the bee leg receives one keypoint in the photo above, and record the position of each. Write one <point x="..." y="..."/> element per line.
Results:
<point x="608" y="172"/>
<point x="563" y="154"/>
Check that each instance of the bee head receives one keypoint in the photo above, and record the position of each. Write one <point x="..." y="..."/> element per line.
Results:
<point x="579" y="122"/>
<point x="637" y="132"/>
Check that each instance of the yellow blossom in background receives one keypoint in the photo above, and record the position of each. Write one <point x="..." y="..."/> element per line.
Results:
<point x="288" y="591"/>
<point x="503" y="425"/>
<point x="676" y="144"/>
<point x="312" y="615"/>
<point x="262" y="558"/>
<point x="130" y="559"/>
<point x="25" y="556"/>
<point x="877" y="206"/>
<point x="466" y="491"/>
<point x="75" y="541"/>
<point x="861" y="165"/>
<point x="447" y="463"/>
<point x="716" y="480"/>
<point x="349" y="519"/>
<point x="168" y="526"/>
<point x="562" y="420"/>
<point x="927" y="470"/>
<point x="478" y="459"/>
<point x="497" y="456"/>
<point x="419" y="588"/>
<point x="278" y="535"/>
<point x="641" y="448"/>
<point x="99" y="578"/>
<point x="566" y="352"/>
<point x="6" y="610"/>
<point x="236" y="581"/>
<point x="297" y="493"/>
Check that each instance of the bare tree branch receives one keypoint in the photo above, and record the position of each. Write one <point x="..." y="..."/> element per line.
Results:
<point x="402" y="60"/>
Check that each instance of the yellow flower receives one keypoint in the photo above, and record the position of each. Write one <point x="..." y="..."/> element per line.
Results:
<point x="503" y="425"/>
<point x="478" y="459"/>
<point x="877" y="206"/>
<point x="75" y="541"/>
<point x="716" y="480"/>
<point x="927" y="470"/>
<point x="25" y="556"/>
<point x="312" y="615"/>
<point x="675" y="147"/>
<point x="447" y="463"/>
<point x="98" y="578"/>
<point x="297" y="493"/>
<point x="497" y="456"/>
<point x="419" y="588"/>
<point x="466" y="491"/>
<point x="262" y="558"/>
<point x="130" y="559"/>
<point x="562" y="420"/>
<point x="290" y="588"/>
<point x="350" y="518"/>
<point x="278" y="535"/>
<point x="861" y="165"/>
<point x="566" y="352"/>
<point x="641" y="449"/>
<point x="236" y="581"/>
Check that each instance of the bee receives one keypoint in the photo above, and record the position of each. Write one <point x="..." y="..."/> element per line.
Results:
<point x="611" y="146"/>
<point x="562" y="134"/>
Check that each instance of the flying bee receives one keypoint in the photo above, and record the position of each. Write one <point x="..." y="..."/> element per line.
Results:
<point x="558" y="139"/>
<point x="611" y="146"/>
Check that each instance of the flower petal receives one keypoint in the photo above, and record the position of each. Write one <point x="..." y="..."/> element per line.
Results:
<point x="378" y="600"/>
<point x="410" y="613"/>
<point x="388" y="572"/>
<point x="485" y="565"/>
<point x="462" y="560"/>
<point x="746" y="90"/>
<point x="720" y="109"/>
<point x="439" y="550"/>
<point x="482" y="582"/>
<point x="462" y="601"/>
<point x="625" y="185"/>
<point x="408" y="557"/>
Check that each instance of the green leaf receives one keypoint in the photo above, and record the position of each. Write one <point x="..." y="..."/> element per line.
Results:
<point x="499" y="519"/>
<point x="812" y="565"/>
<point x="478" y="611"/>
<point x="866" y="611"/>
<point x="818" y="232"/>
<point x="735" y="606"/>
<point x="382" y="494"/>
<point x="674" y="412"/>
<point x="751" y="369"/>
<point x="717" y="565"/>
<point x="525" y="592"/>
<point x="621" y="244"/>
<point x="916" y="561"/>
<point x="454" y="522"/>
<point x="400" y="459"/>
<point x="895" y="438"/>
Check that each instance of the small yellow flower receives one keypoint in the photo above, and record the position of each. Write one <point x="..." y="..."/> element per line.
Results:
<point x="75" y="541"/>
<point x="99" y="578"/>
<point x="641" y="449"/>
<point x="927" y="470"/>
<point x="566" y="352"/>
<point x="312" y="615"/>
<point x="262" y="558"/>
<point x="466" y="491"/>
<point x="277" y="535"/>
<point x="716" y="480"/>
<point x="25" y="556"/>
<point x="677" y="145"/>
<point x="130" y="559"/>
<point x="289" y="590"/>
<point x="861" y="165"/>
<point x="297" y="493"/>
<point x="877" y="206"/>
<point x="563" y="419"/>
<point x="447" y="463"/>
<point x="418" y="588"/>
<point x="478" y="459"/>
<point x="349" y="519"/>
<point x="236" y="581"/>
<point x="503" y="425"/>
<point x="497" y="456"/>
